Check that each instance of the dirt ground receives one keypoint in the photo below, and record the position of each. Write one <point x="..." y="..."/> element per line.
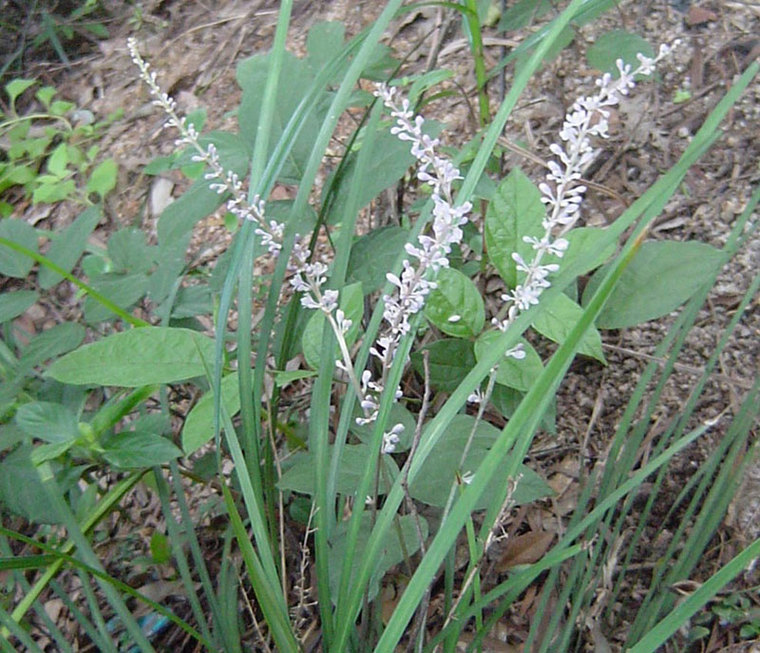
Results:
<point x="194" y="47"/>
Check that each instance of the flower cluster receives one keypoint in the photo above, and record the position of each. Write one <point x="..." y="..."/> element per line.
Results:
<point x="562" y="193"/>
<point x="224" y="181"/>
<point x="426" y="257"/>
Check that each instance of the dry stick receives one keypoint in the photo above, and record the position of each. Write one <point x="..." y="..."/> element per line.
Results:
<point x="302" y="591"/>
<point x="681" y="367"/>
<point x="419" y="622"/>
<point x="601" y="188"/>
<point x="256" y="626"/>
<point x="489" y="542"/>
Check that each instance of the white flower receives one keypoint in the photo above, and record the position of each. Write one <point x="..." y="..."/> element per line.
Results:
<point x="476" y="397"/>
<point x="562" y="193"/>
<point x="344" y="324"/>
<point x="391" y="439"/>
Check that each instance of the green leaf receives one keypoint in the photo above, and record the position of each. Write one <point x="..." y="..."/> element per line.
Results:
<point x="103" y="178"/>
<point x="14" y="264"/>
<point x="584" y="246"/>
<point x="14" y="302"/>
<point x="301" y="477"/>
<point x="614" y="45"/>
<point x="515" y="211"/>
<point x="251" y="75"/>
<point x="191" y="301"/>
<point x="20" y="488"/>
<point x="389" y="162"/>
<point x="398" y="543"/>
<point x="506" y="400"/>
<point x="171" y="264"/>
<point x="58" y="161"/>
<point x="518" y="374"/>
<point x="199" y="200"/>
<point x="426" y="81"/>
<point x="199" y="424"/>
<point x="557" y="320"/>
<point x="52" y="189"/>
<point x="160" y="548"/>
<point x="144" y="356"/>
<point x="352" y="304"/>
<point x="50" y="343"/>
<point x="16" y="87"/>
<point x="373" y="255"/>
<point x="47" y="421"/>
<point x="129" y="252"/>
<point x="661" y="277"/>
<point x="523" y="13"/>
<point x="398" y="415"/>
<point x="323" y="41"/>
<point x="122" y="290"/>
<point x="450" y="360"/>
<point x="455" y="305"/>
<point x="139" y="449"/>
<point x="440" y="469"/>
<point x="45" y="452"/>
<point x="67" y="247"/>
<point x="285" y="377"/>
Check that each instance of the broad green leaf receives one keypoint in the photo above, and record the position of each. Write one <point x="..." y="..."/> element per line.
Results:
<point x="449" y="359"/>
<point x="180" y="216"/>
<point x="20" y="489"/>
<point x="12" y="263"/>
<point x="398" y="543"/>
<point x="103" y="178"/>
<point x="301" y="477"/>
<point x="191" y="301"/>
<point x="171" y="264"/>
<point x="139" y="449"/>
<point x="129" y="252"/>
<point x="58" y="161"/>
<point x="373" y="255"/>
<point x="583" y="245"/>
<point x="522" y="13"/>
<point x="16" y="87"/>
<point x="47" y="421"/>
<point x="67" y="247"/>
<point x="557" y="320"/>
<point x="52" y="189"/>
<point x="614" y="45"/>
<point x="515" y="211"/>
<point x="199" y="424"/>
<point x="441" y="467"/>
<point x="506" y="400"/>
<point x="14" y="302"/>
<point x="518" y="374"/>
<point x="323" y="41"/>
<point x="44" y="452"/>
<point x="144" y="356"/>
<point x="352" y="304"/>
<point x="455" y="305"/>
<point x="50" y="343"/>
<point x="122" y="290"/>
<point x="661" y="277"/>
<point x="390" y="160"/>
<point x="251" y="75"/>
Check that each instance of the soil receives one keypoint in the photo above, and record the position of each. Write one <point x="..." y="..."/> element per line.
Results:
<point x="195" y="49"/>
